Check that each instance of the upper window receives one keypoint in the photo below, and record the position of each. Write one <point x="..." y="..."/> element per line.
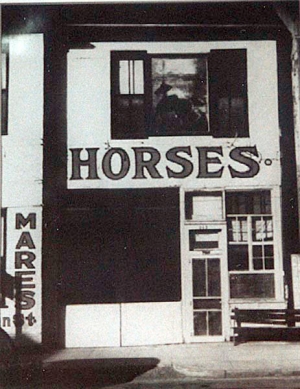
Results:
<point x="4" y="95"/>
<point x="128" y="95"/>
<point x="179" y="94"/>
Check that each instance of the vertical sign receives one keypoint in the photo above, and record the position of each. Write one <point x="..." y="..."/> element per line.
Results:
<point x="21" y="312"/>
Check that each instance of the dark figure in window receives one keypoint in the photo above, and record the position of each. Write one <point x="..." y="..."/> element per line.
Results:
<point x="178" y="116"/>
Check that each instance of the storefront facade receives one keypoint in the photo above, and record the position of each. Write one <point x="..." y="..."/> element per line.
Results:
<point x="164" y="184"/>
<point x="220" y="229"/>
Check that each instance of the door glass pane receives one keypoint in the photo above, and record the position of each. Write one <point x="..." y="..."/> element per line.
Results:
<point x="213" y="277"/>
<point x="215" y="323"/>
<point x="212" y="303"/>
<point x="199" y="278"/>
<point x="200" y="323"/>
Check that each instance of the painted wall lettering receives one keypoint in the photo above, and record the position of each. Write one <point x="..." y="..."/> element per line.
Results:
<point x="150" y="163"/>
<point x="146" y="159"/>
<point x="22" y="221"/>
<point x="238" y="155"/>
<point x="173" y="155"/>
<point x="205" y="159"/>
<point x="24" y="263"/>
<point x="124" y="163"/>
<point x="90" y="162"/>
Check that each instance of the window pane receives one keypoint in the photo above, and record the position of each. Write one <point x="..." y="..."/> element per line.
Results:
<point x="128" y="116"/>
<point x="124" y="77"/>
<point x="269" y="257"/>
<point x="4" y="92"/>
<point x="127" y="95"/>
<point x="252" y="285"/>
<point x="262" y="202"/>
<point x="214" y="278"/>
<point x="257" y="252"/>
<point x="138" y="77"/>
<point x="262" y="228"/>
<point x="237" y="229"/>
<point x="214" y="323"/>
<point x="201" y="240"/>
<point x="256" y="202"/>
<point x="258" y="229"/>
<point x="212" y="303"/>
<point x="257" y="264"/>
<point x="228" y="93"/>
<point x="199" y="278"/>
<point x="179" y="96"/>
<point x="269" y="252"/>
<point x="269" y="263"/>
<point x="238" y="258"/>
<point x="237" y="114"/>
<point x="269" y="228"/>
<point x="200" y="323"/>
<point x="131" y="77"/>
<point x="4" y="111"/>
<point x="4" y="70"/>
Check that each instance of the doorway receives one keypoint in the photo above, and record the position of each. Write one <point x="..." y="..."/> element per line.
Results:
<point x="204" y="264"/>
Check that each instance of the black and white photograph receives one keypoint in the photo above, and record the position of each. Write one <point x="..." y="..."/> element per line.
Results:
<point x="149" y="189"/>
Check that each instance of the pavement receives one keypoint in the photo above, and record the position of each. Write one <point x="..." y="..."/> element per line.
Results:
<point x="167" y="362"/>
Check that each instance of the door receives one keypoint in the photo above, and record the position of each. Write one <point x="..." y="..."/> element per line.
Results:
<point x="206" y="301"/>
<point x="206" y="283"/>
<point x="204" y="266"/>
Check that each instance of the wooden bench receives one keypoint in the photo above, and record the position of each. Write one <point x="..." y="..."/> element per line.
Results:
<point x="266" y="324"/>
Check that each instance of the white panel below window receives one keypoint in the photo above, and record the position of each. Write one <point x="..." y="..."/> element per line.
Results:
<point x="207" y="208"/>
<point x="151" y="323"/>
<point x="93" y="325"/>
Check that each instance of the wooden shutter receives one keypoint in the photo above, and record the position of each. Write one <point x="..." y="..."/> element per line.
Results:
<point x="228" y="103"/>
<point x="127" y="108"/>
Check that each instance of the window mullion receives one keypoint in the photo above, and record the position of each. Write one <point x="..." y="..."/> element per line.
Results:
<point x="250" y="242"/>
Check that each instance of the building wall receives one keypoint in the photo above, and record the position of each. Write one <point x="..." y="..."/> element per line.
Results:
<point x="89" y="116"/>
<point x="22" y="190"/>
<point x="89" y="144"/>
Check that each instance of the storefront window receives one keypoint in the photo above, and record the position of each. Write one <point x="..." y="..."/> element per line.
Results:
<point x="250" y="244"/>
<point x="179" y="94"/>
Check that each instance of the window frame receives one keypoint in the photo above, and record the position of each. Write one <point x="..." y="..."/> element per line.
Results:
<point x="147" y="132"/>
<point x="126" y="55"/>
<point x="151" y="56"/>
<point x="5" y="92"/>
<point x="250" y="243"/>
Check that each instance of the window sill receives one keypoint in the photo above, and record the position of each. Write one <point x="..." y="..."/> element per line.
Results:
<point x="256" y="301"/>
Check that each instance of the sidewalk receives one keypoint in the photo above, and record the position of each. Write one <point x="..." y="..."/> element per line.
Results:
<point x="204" y="360"/>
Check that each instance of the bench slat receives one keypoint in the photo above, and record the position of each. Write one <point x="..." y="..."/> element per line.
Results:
<point x="282" y="321"/>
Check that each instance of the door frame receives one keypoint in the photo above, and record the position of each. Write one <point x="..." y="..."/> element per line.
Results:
<point x="186" y="271"/>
